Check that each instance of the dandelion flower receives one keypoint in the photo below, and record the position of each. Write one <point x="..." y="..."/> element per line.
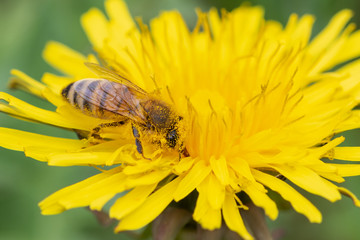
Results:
<point x="258" y="100"/>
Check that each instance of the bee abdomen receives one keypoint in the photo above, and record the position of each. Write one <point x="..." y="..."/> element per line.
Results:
<point x="83" y="95"/>
<point x="95" y="97"/>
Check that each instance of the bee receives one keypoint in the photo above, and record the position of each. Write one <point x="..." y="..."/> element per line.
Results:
<point x="113" y="97"/>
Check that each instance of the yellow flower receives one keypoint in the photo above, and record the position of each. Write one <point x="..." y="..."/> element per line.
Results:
<point x="258" y="100"/>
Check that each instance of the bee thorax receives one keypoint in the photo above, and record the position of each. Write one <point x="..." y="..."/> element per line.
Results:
<point x="159" y="114"/>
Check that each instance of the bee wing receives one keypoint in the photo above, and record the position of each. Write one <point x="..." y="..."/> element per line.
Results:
<point x="113" y="97"/>
<point x="113" y="76"/>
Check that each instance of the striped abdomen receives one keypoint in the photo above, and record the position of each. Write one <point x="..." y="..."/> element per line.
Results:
<point x="102" y="98"/>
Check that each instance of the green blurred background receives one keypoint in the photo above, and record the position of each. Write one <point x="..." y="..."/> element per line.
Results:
<point x="26" y="26"/>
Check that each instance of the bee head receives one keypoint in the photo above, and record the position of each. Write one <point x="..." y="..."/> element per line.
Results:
<point x="175" y="135"/>
<point x="172" y="138"/>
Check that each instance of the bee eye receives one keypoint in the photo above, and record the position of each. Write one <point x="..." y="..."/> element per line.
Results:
<point x="171" y="138"/>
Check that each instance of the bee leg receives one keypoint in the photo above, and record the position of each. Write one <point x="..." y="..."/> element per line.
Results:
<point x="95" y="132"/>
<point x="139" y="147"/>
<point x="185" y="153"/>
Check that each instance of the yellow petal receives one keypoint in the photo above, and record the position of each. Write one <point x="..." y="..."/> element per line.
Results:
<point x="33" y="113"/>
<point x="56" y="83"/>
<point x="350" y="49"/>
<point x="96" y="27"/>
<point x="132" y="200"/>
<point x="208" y="217"/>
<point x="118" y="11"/>
<point x="329" y="57"/>
<point x="347" y="170"/>
<point x="184" y="165"/>
<point x="94" y="194"/>
<point x="261" y="199"/>
<point x="299" y="203"/>
<point x="78" y="158"/>
<point x="220" y="169"/>
<point x="349" y="194"/>
<point x="150" y="209"/>
<point x="39" y="153"/>
<point x="66" y="60"/>
<point x="99" y="203"/>
<point x="321" y="151"/>
<point x="211" y="219"/>
<point x="215" y="22"/>
<point x="26" y="83"/>
<point x="84" y="192"/>
<point x="215" y="191"/>
<point x="77" y="120"/>
<point x="202" y="204"/>
<point x="233" y="219"/>
<point x="18" y="140"/>
<point x="310" y="181"/>
<point x="335" y="177"/>
<point x="191" y="180"/>
<point x="120" y="155"/>
<point x="242" y="167"/>
<point x="147" y="178"/>
<point x="332" y="30"/>
<point x="169" y="29"/>
<point x="347" y="153"/>
<point x="301" y="30"/>
<point x="351" y="122"/>
<point x="140" y="167"/>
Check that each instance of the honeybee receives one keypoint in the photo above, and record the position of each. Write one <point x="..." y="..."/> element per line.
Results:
<point x="114" y="97"/>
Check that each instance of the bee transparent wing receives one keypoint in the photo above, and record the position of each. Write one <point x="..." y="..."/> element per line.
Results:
<point x="112" y="76"/>
<point x="107" y="98"/>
